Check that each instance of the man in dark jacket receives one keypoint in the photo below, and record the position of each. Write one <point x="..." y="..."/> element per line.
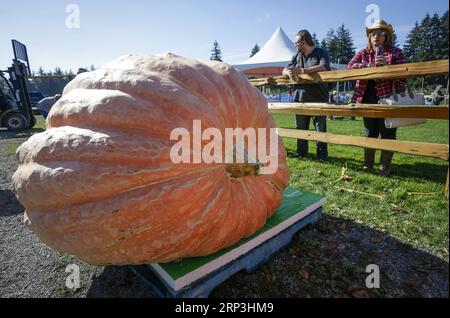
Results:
<point x="309" y="59"/>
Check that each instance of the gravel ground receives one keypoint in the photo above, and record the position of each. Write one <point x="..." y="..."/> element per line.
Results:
<point x="328" y="259"/>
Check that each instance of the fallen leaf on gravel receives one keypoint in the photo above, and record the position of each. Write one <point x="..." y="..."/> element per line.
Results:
<point x="268" y="277"/>
<point x="310" y="254"/>
<point x="388" y="253"/>
<point x="323" y="262"/>
<point x="331" y="245"/>
<point x="315" y="279"/>
<point x="336" y="275"/>
<point x="358" y="291"/>
<point x="376" y="239"/>
<point x="337" y="285"/>
<point x="413" y="281"/>
<point x="421" y="270"/>
<point x="304" y="274"/>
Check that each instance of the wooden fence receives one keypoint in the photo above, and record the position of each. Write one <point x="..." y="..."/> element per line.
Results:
<point x="439" y="67"/>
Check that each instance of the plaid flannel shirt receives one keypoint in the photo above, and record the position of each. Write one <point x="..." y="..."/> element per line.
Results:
<point x="366" y="58"/>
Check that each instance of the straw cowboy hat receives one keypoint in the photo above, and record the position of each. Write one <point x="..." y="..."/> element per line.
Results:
<point x="380" y="24"/>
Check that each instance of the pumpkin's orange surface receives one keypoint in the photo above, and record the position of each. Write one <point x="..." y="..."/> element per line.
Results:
<point x="99" y="182"/>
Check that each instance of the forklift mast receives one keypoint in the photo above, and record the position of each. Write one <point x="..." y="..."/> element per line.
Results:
<point x="18" y="72"/>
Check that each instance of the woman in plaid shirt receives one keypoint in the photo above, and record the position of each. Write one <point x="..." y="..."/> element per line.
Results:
<point x="379" y="52"/>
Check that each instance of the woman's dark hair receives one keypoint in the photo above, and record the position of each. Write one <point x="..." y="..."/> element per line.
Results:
<point x="306" y="37"/>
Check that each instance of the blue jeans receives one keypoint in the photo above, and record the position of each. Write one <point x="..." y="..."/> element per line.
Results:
<point x="374" y="127"/>
<point x="320" y="125"/>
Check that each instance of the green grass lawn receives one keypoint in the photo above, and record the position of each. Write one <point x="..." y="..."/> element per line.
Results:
<point x="421" y="220"/>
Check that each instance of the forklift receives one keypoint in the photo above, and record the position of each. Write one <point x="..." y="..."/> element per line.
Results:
<point x="16" y="113"/>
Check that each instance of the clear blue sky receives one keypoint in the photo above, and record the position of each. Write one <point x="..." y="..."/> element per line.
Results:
<point x="109" y="29"/>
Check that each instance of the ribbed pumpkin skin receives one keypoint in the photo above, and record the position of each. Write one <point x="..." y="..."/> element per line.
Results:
<point x="99" y="182"/>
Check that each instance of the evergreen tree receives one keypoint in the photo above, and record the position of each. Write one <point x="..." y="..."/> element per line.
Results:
<point x="315" y="40"/>
<point x="345" y="49"/>
<point x="323" y="44"/>
<point x="434" y="48"/>
<point x="255" y="50"/>
<point x="40" y="71"/>
<point x="58" y="71"/>
<point x="216" y="52"/>
<point x="410" y="51"/>
<point x="428" y="41"/>
<point x="332" y="45"/>
<point x="394" y="39"/>
<point x="49" y="85"/>
<point x="411" y="47"/>
<point x="435" y="33"/>
<point x="92" y="68"/>
<point x="442" y="42"/>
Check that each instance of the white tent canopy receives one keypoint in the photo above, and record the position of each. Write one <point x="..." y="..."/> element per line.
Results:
<point x="277" y="52"/>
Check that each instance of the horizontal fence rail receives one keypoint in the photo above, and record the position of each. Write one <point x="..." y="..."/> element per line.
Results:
<point x="439" y="67"/>
<point x="439" y="151"/>
<point x="360" y="110"/>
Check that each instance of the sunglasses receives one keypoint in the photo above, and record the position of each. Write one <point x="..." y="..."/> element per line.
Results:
<point x="380" y="33"/>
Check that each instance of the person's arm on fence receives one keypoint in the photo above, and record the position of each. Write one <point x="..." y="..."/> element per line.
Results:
<point x="314" y="69"/>
<point x="324" y="64"/>
<point x="287" y="69"/>
<point x="358" y="61"/>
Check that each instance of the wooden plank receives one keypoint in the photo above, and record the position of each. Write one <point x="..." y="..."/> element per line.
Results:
<point x="360" y="110"/>
<point x="439" y="151"/>
<point x="438" y="67"/>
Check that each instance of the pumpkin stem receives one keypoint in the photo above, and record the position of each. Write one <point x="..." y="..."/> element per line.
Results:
<point x="239" y="170"/>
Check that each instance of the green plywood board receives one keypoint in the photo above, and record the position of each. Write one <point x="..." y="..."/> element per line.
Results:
<point x="294" y="202"/>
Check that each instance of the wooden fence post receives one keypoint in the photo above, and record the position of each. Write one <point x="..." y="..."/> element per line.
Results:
<point x="446" y="185"/>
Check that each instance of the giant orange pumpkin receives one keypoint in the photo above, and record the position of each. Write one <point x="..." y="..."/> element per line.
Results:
<point x="99" y="183"/>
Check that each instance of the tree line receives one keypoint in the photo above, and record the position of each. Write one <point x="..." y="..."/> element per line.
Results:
<point x="428" y="40"/>
<point x="50" y="82"/>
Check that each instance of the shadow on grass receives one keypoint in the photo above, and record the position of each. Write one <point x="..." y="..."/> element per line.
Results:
<point x="420" y="170"/>
<point x="9" y="204"/>
<point x="328" y="259"/>
<point x="5" y="134"/>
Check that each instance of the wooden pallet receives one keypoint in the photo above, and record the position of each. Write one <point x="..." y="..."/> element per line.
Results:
<point x="197" y="277"/>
